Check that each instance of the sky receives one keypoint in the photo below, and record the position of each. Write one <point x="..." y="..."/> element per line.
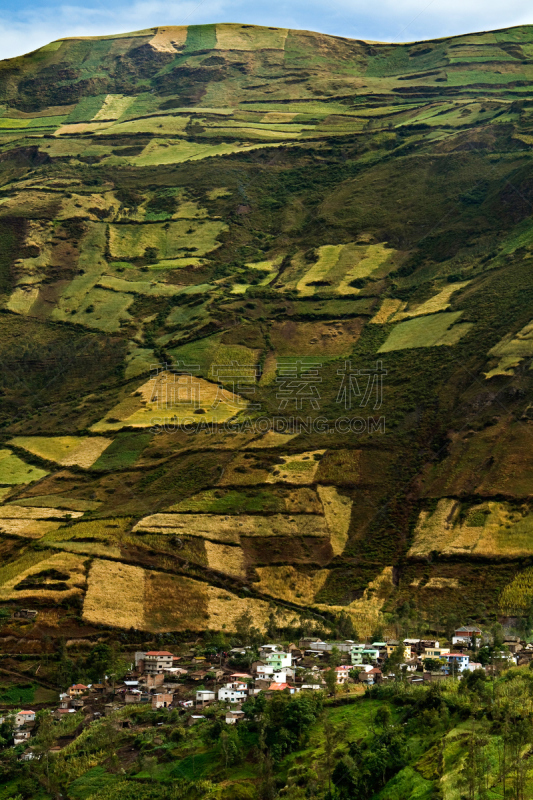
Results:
<point x="26" y="25"/>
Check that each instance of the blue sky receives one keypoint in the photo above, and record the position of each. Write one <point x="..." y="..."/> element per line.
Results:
<point x="26" y="25"/>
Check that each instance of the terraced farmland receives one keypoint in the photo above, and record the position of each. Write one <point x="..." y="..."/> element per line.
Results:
<point x="265" y="338"/>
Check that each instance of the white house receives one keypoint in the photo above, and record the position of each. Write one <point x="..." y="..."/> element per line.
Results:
<point x="467" y="635"/>
<point x="343" y="673"/>
<point x="268" y="673"/>
<point x="204" y="697"/>
<point x="233" y="693"/>
<point x="23" y="717"/>
<point x="457" y="662"/>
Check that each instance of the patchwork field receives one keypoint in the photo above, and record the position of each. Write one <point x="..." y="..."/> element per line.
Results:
<point x="232" y="529"/>
<point x="491" y="529"/>
<point x="51" y="578"/>
<point x="182" y="209"/>
<point x="154" y="601"/>
<point x="427" y="331"/>
<point x="65" y="450"/>
<point x="15" y="471"/>
<point x="173" y="398"/>
<point x="32" y="522"/>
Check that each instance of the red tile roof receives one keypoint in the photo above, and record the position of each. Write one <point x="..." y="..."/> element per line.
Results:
<point x="158" y="653"/>
<point x="278" y="687"/>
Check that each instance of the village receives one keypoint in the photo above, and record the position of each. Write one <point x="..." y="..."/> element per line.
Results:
<point x="190" y="683"/>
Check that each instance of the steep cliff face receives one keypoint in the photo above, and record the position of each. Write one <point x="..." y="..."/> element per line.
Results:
<point x="266" y="328"/>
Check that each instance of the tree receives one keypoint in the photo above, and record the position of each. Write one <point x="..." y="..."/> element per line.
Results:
<point x="434" y="664"/>
<point x="330" y="676"/>
<point x="392" y="662"/>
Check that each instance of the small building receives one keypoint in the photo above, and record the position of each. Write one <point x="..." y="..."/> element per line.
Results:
<point x="468" y="635"/>
<point x="457" y="662"/>
<point x="343" y="673"/>
<point x="283" y="687"/>
<point x="234" y="716"/>
<point x="233" y="693"/>
<point x="203" y="697"/>
<point x="279" y="660"/>
<point x="21" y="736"/>
<point x="391" y="646"/>
<point x="77" y="689"/>
<point x="156" y="661"/>
<point x="23" y="717"/>
<point x="25" y="613"/>
<point x="162" y="700"/>
<point x="133" y="696"/>
<point x="194" y="719"/>
<point x="435" y="652"/>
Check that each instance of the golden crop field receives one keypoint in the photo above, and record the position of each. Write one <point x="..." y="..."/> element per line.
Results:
<point x="72" y="566"/>
<point x="115" y="593"/>
<point x="289" y="583"/>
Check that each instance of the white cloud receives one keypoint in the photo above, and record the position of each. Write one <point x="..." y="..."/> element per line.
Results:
<point x="29" y="27"/>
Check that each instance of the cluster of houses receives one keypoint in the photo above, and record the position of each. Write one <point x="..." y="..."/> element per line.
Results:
<point x="163" y="680"/>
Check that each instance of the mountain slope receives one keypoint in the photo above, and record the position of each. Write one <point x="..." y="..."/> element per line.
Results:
<point x="223" y="201"/>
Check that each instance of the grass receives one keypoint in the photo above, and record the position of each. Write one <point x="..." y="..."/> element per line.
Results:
<point x="113" y="107"/>
<point x="170" y="240"/>
<point x="231" y="501"/>
<point x="160" y="151"/>
<point x="65" y="450"/>
<point x="211" y="352"/>
<point x="123" y="451"/>
<point x="511" y="352"/>
<point x="240" y="37"/>
<point x="57" y="501"/>
<point x="429" y="331"/>
<point x="14" y="471"/>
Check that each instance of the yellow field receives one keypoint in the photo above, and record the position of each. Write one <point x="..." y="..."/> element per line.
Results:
<point x="31" y="522"/>
<point x="366" y="612"/>
<point x="488" y="529"/>
<point x="168" y="40"/>
<point x="338" y="512"/>
<point x="22" y="299"/>
<point x="126" y="596"/>
<point x="65" y="450"/>
<point x="115" y="594"/>
<point x="170" y="398"/>
<point x="239" y="37"/>
<point x="223" y="558"/>
<point x="442" y="583"/>
<point x="230" y="529"/>
<point x="63" y="562"/>
<point x="439" y="302"/>
<point x="114" y="106"/>
<point x="511" y="351"/>
<point x="389" y="307"/>
<point x="299" y="468"/>
<point x="288" y="583"/>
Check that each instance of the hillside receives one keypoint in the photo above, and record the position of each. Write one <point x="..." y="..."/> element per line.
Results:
<point x="215" y="243"/>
